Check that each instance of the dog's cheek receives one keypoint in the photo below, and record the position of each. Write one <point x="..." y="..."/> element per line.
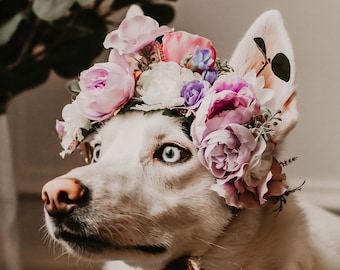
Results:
<point x="192" y="223"/>
<point x="187" y="210"/>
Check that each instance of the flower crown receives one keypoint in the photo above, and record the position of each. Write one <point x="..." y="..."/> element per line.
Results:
<point x="152" y="67"/>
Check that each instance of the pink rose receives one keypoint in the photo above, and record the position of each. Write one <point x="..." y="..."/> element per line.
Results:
<point x="178" y="45"/>
<point x="105" y="88"/>
<point x="226" y="152"/>
<point x="229" y="100"/>
<point x="239" y="194"/>
<point x="134" y="33"/>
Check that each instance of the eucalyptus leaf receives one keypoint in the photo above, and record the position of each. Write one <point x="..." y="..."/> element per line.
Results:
<point x="281" y="67"/>
<point x="261" y="45"/>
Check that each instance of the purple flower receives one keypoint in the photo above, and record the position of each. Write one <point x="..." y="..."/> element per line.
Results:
<point x="210" y="75"/>
<point x="201" y="59"/>
<point x="193" y="92"/>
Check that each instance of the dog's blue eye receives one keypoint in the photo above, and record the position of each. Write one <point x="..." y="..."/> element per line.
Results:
<point x="172" y="153"/>
<point x="96" y="153"/>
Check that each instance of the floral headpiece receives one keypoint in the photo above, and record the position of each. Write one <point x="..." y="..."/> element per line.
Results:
<point x="152" y="67"/>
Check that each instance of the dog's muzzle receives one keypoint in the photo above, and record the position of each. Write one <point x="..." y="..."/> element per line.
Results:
<point x="65" y="204"/>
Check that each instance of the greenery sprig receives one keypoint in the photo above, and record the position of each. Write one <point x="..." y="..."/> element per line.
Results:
<point x="223" y="67"/>
<point x="263" y="124"/>
<point x="282" y="200"/>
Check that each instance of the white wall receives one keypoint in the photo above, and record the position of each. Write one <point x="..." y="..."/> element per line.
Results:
<point x="314" y="30"/>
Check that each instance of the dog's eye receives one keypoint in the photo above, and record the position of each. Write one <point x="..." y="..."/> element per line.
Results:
<point x="96" y="153"/>
<point x="172" y="153"/>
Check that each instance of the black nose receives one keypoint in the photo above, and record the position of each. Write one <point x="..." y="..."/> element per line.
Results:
<point x="62" y="195"/>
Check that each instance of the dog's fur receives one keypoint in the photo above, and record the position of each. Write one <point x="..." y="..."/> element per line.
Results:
<point x="146" y="213"/>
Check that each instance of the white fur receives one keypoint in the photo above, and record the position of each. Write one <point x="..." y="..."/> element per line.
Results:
<point x="136" y="199"/>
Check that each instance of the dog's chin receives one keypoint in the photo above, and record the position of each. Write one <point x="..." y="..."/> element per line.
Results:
<point x="96" y="247"/>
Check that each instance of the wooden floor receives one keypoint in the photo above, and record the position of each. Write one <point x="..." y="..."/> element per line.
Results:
<point x="34" y="252"/>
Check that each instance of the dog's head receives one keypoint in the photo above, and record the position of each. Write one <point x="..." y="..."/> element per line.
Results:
<point x="150" y="194"/>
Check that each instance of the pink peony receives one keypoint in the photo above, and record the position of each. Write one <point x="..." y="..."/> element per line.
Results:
<point x="229" y="100"/>
<point x="105" y="88"/>
<point x="178" y="45"/>
<point x="134" y="33"/>
<point x="226" y="152"/>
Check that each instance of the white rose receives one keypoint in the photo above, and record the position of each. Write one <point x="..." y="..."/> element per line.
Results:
<point x="161" y="85"/>
<point x="74" y="121"/>
<point x="70" y="129"/>
<point x="264" y="95"/>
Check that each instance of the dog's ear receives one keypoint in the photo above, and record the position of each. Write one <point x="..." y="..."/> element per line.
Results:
<point x="272" y="39"/>
<point x="134" y="10"/>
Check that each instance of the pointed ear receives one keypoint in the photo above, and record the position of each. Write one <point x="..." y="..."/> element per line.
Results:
<point x="247" y="56"/>
<point x="134" y="10"/>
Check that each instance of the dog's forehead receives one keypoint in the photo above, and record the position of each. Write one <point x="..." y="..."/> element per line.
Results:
<point x="138" y="127"/>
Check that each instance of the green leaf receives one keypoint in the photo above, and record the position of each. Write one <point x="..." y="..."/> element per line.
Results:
<point x="172" y="113"/>
<point x="261" y="45"/>
<point x="281" y="67"/>
<point x="73" y="87"/>
<point x="131" y="103"/>
<point x="9" y="28"/>
<point x="50" y="10"/>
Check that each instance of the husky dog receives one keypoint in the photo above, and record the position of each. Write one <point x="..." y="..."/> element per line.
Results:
<point x="146" y="200"/>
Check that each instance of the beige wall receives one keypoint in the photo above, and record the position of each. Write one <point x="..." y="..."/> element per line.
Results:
<point x="313" y="27"/>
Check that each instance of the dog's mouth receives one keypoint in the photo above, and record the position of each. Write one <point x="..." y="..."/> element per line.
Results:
<point x="94" y="244"/>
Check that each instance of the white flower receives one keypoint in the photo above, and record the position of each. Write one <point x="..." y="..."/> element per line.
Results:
<point x="74" y="121"/>
<point x="264" y="95"/>
<point x="71" y="128"/>
<point x="161" y="85"/>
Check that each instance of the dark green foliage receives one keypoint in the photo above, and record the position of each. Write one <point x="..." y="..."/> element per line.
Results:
<point x="280" y="63"/>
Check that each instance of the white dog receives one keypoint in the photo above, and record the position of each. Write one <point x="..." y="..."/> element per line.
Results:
<point x="147" y="202"/>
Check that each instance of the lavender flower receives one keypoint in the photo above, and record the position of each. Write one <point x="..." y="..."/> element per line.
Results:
<point x="201" y="59"/>
<point x="193" y="92"/>
<point x="210" y="75"/>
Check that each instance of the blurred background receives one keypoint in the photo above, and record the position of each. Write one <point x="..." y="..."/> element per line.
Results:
<point x="38" y="55"/>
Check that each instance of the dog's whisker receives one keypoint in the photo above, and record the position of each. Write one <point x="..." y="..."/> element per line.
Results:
<point x="61" y="254"/>
<point x="42" y="227"/>
<point x="211" y="243"/>
<point x="143" y="216"/>
<point x="46" y="237"/>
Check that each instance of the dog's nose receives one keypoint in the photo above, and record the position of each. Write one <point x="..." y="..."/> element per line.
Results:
<point x="62" y="195"/>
